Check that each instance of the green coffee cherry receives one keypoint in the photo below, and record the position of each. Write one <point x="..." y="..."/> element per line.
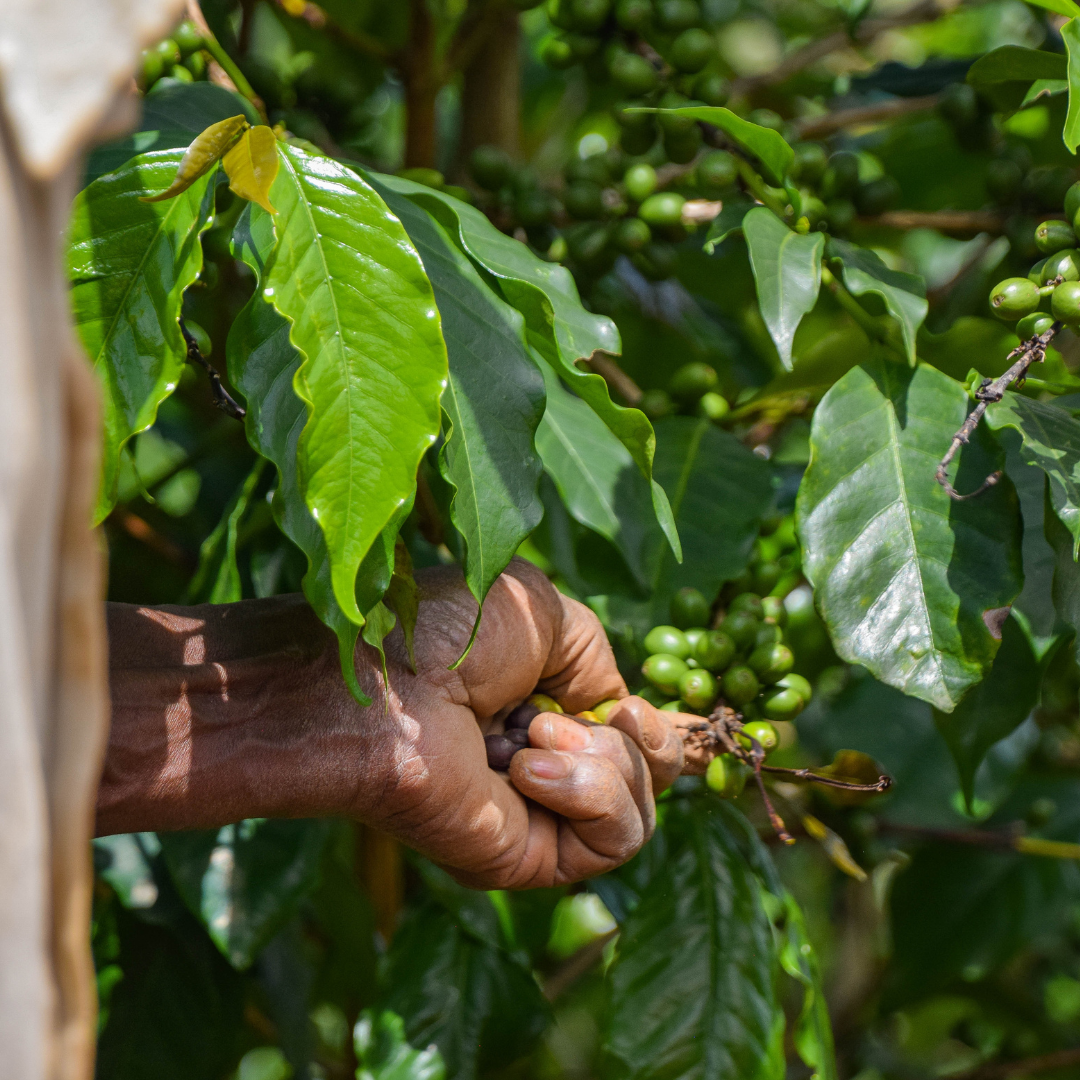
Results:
<point x="1062" y="264"/>
<point x="583" y="200"/>
<point x="959" y="104"/>
<point x="560" y="13"/>
<point x="656" y="403"/>
<point x="689" y="608"/>
<point x="714" y="650"/>
<point x="202" y="338"/>
<point x="840" y="214"/>
<point x="634" y="74"/>
<point x="152" y="68"/>
<point x="810" y="163"/>
<point x="797" y="683"/>
<point x="771" y="662"/>
<point x="773" y="608"/>
<point x="603" y="710"/>
<point x="674" y="706"/>
<point x="664" y="672"/>
<point x="196" y="64"/>
<point x="627" y="116"/>
<point x="1065" y="303"/>
<point x="692" y="380"/>
<point x="181" y="74"/>
<point x="766" y="576"/>
<point x="490" y="167"/>
<point x="712" y="89"/>
<point x="631" y="235"/>
<point x="742" y="628"/>
<point x="633" y="15"/>
<point x="694" y="634"/>
<point x="782" y="705"/>
<point x="749" y="602"/>
<point x="683" y="148"/>
<point x="762" y="732"/>
<point x="698" y="689"/>
<point x="1003" y="180"/>
<point x="557" y="53"/>
<point x="589" y="15"/>
<point x="1032" y="325"/>
<point x="663" y="208"/>
<point x="1014" y="298"/>
<point x="713" y="406"/>
<point x="657" y="261"/>
<point x="768" y="634"/>
<point x="1072" y="201"/>
<point x="726" y="776"/>
<point x="667" y="639"/>
<point x="717" y="171"/>
<point x="739" y="685"/>
<point x="1054" y="236"/>
<point x="654" y="697"/>
<point x="677" y="14"/>
<point x="841" y="175"/>
<point x="640" y="181"/>
<point x="692" y="50"/>
<point x="1035" y="273"/>
<point x="674" y="124"/>
<point x="877" y="196"/>
<point x="637" y="140"/>
<point x="169" y="52"/>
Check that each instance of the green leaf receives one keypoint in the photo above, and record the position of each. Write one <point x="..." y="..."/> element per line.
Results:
<point x="1070" y="35"/>
<point x="382" y="1052"/>
<point x="787" y="270"/>
<point x="457" y="987"/>
<point x="1044" y="88"/>
<point x="693" y="983"/>
<point x="1051" y="440"/>
<point x="1005" y="74"/>
<point x="594" y="474"/>
<point x="556" y="325"/>
<point x="727" y="223"/>
<point x="244" y="881"/>
<point x="813" y="1037"/>
<point x="125" y="862"/>
<point x="1066" y="583"/>
<point x="719" y="493"/>
<point x="217" y="578"/>
<point x="252" y="166"/>
<point x="493" y="404"/>
<point x="994" y="709"/>
<point x="904" y="294"/>
<point x="403" y="596"/>
<point x="129" y="263"/>
<point x="1060" y="7"/>
<point x="768" y="146"/>
<point x="262" y="365"/>
<point x="908" y="582"/>
<point x="364" y="318"/>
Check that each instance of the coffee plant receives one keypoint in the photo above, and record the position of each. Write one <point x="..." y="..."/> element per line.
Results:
<point x="755" y="327"/>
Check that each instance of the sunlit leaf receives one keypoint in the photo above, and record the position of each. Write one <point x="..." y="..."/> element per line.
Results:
<point x="1059" y="7"/>
<point x="252" y="166"/>
<point x="202" y="155"/>
<point x="787" y="270"/>
<point x="910" y="584"/>
<point x="382" y="1052"/>
<point x="1070" y="35"/>
<point x="129" y="263"/>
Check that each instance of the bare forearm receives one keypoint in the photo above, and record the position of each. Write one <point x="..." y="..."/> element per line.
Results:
<point x="221" y="712"/>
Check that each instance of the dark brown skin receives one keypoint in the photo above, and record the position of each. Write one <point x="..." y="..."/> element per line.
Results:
<point x="239" y="710"/>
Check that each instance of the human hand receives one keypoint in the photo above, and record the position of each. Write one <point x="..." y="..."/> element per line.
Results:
<point x="576" y="803"/>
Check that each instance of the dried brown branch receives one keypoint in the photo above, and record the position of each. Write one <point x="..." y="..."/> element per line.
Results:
<point x="1028" y="353"/>
<point x="145" y="533"/>
<point x="815" y="127"/>
<point x="952" y="222"/>
<point x="617" y="379"/>
<point x="222" y="398"/>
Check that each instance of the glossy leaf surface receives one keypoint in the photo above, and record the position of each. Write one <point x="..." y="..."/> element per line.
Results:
<point x="904" y="295"/>
<point x="693" y="984"/>
<point x="557" y="326"/>
<point x="383" y="1053"/>
<point x="363" y="316"/>
<point x="909" y="583"/>
<point x="129" y="263"/>
<point x="787" y="270"/>
<point x="493" y="404"/>
<point x="1051" y="441"/>
<point x="1070" y="35"/>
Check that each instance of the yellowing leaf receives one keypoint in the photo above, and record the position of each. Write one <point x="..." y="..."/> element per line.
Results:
<point x="200" y="157"/>
<point x="252" y="165"/>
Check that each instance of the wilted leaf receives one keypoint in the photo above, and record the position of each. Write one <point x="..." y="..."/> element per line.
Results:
<point x="787" y="270"/>
<point x="904" y="577"/>
<point x="202" y="155"/>
<point x="252" y="166"/>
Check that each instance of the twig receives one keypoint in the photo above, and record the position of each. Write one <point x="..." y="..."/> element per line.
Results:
<point x="222" y="398"/>
<point x="882" y="784"/>
<point x="224" y="60"/>
<point x="867" y="30"/>
<point x="1002" y="1070"/>
<point x="1026" y="354"/>
<point x="145" y="533"/>
<point x="954" y="222"/>
<point x="999" y="839"/>
<point x="615" y="377"/>
<point x="814" y="127"/>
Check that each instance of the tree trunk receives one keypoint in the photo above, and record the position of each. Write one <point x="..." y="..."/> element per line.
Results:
<point x="421" y="88"/>
<point x="491" y="93"/>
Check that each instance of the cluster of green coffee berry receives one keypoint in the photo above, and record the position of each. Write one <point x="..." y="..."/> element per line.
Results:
<point x="693" y="389"/>
<point x="180" y="56"/>
<point x="1051" y="290"/>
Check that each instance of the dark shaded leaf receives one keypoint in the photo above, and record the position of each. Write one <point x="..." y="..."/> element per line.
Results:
<point x="787" y="270"/>
<point x="994" y="708"/>
<point x="727" y="223"/>
<point x="1005" y="74"/>
<point x="244" y="881"/>
<point x="905" y="579"/>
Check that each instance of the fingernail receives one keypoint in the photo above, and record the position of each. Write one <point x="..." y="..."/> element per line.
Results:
<point x="549" y="766"/>
<point x="576" y="737"/>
